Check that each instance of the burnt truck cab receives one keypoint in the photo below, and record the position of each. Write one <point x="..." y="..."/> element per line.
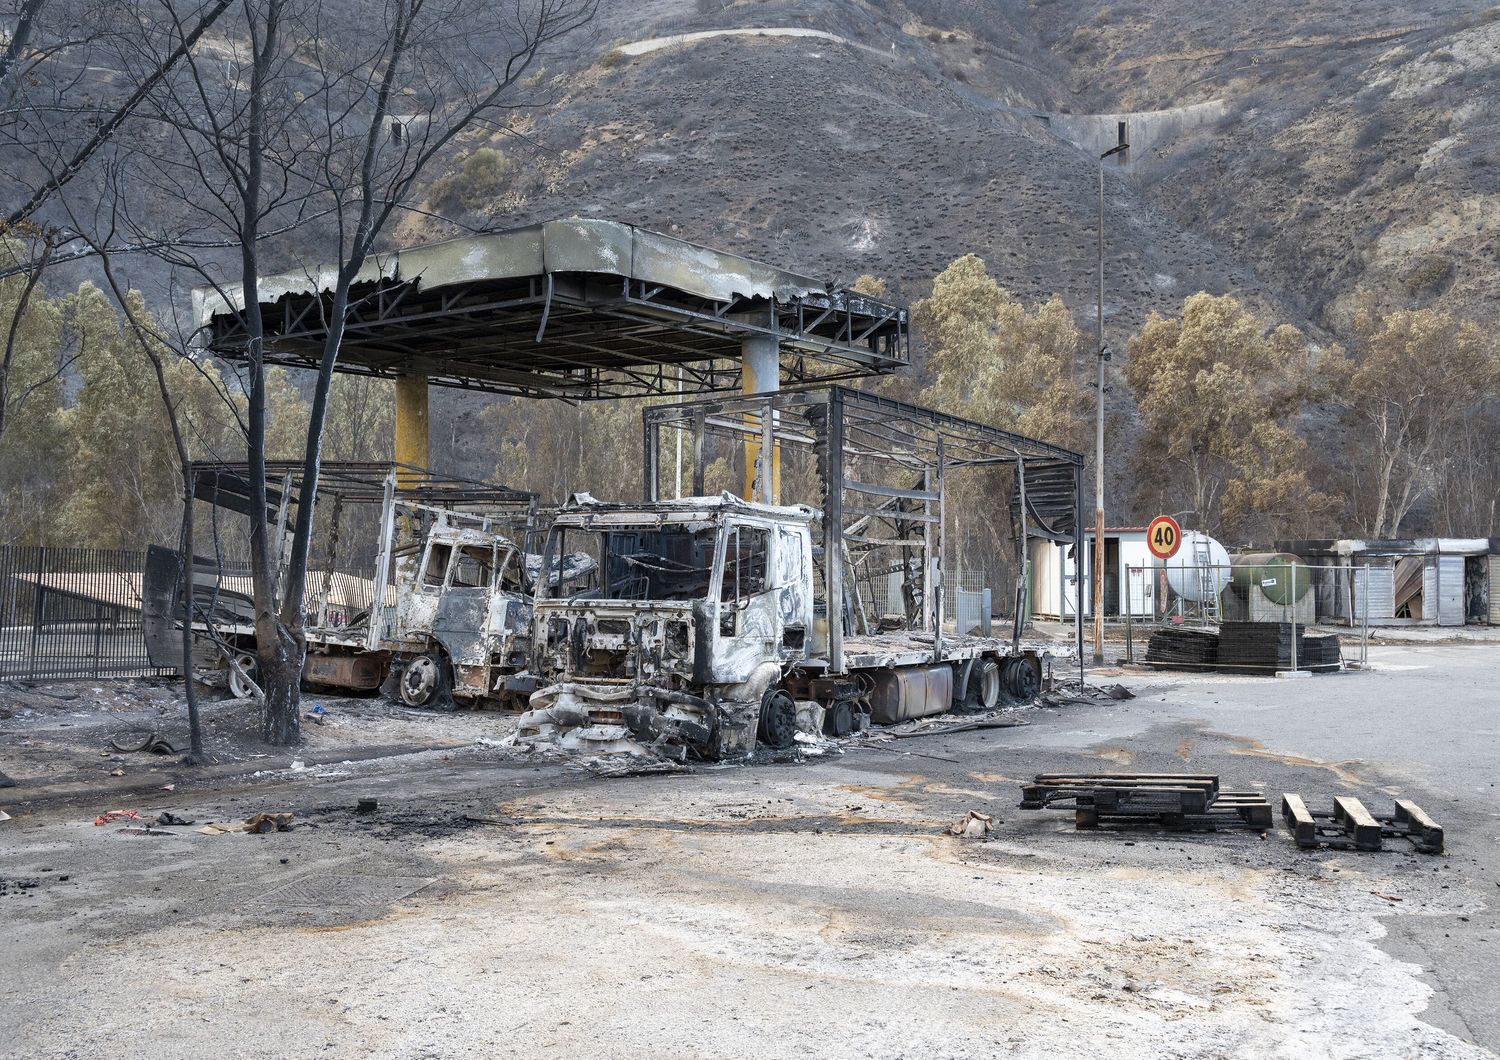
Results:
<point x="461" y="618"/>
<point x="695" y="609"/>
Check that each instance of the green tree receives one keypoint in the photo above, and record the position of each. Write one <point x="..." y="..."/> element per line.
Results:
<point x="120" y="468"/>
<point x="1414" y="382"/>
<point x="361" y="409"/>
<point x="479" y="180"/>
<point x="120" y="480"/>
<point x="996" y="361"/>
<point x="31" y="445"/>
<point x="556" y="448"/>
<point x="1219" y="397"/>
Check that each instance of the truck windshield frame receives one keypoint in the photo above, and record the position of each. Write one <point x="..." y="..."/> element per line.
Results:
<point x="445" y="562"/>
<point x="647" y="561"/>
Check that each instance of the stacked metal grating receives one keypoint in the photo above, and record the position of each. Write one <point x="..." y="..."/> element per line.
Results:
<point x="1257" y="647"/>
<point x="1319" y="652"/>
<point x="1183" y="649"/>
<point x="1266" y="647"/>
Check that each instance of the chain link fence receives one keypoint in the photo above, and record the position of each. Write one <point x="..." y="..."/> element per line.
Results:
<point x="1266" y="591"/>
<point x="973" y="602"/>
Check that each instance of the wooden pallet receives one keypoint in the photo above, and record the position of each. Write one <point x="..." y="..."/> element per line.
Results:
<point x="1350" y="826"/>
<point x="1182" y="801"/>
<point x="1048" y="788"/>
<point x="1231" y="809"/>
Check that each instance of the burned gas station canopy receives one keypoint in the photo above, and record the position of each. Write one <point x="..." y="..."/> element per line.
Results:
<point x="578" y="309"/>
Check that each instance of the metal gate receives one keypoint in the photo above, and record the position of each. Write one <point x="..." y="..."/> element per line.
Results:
<point x="71" y="613"/>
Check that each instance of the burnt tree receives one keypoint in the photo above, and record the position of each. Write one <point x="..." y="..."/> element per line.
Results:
<point x="323" y="129"/>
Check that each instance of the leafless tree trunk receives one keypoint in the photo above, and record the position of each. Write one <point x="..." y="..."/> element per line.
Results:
<point x="19" y="41"/>
<point x="314" y="135"/>
<point x="149" y="342"/>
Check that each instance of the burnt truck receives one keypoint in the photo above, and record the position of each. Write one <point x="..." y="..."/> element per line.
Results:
<point x="708" y="624"/>
<point x="419" y="584"/>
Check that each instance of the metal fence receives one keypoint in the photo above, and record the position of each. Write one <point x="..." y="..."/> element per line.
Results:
<point x="72" y="613"/>
<point x="972" y="601"/>
<point x="1294" y="595"/>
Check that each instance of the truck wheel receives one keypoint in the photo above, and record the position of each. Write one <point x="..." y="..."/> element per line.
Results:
<point x="984" y="685"/>
<point x="778" y="719"/>
<point x="1020" y="679"/>
<point x="425" y="681"/>
<point x="839" y="720"/>
<point x="240" y="688"/>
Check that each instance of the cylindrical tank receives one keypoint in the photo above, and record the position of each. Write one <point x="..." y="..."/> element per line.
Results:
<point x="1281" y="577"/>
<point x="1192" y="576"/>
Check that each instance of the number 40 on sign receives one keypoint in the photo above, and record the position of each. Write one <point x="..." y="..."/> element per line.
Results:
<point x="1163" y="537"/>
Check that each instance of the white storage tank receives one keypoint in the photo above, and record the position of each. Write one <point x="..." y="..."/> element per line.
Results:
<point x="1200" y="570"/>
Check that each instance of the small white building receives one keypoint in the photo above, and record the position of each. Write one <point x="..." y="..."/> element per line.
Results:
<point x="1054" y="591"/>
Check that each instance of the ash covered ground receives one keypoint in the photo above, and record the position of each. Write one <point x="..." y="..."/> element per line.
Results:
<point x="519" y="904"/>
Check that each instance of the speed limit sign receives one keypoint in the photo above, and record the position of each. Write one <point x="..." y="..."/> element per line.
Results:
<point x="1164" y="537"/>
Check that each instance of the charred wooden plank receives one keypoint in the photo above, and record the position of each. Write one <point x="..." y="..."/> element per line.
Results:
<point x="1425" y="833"/>
<point x="1056" y="779"/>
<point x="1294" y="812"/>
<point x="1351" y="816"/>
<point x="1164" y="799"/>
<point x="1250" y="806"/>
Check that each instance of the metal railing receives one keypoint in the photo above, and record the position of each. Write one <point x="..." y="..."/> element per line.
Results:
<point x="72" y="613"/>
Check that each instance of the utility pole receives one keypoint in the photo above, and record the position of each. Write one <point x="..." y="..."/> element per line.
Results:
<point x="1101" y="356"/>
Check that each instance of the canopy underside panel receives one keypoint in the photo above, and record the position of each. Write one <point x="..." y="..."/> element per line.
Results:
<point x="580" y="335"/>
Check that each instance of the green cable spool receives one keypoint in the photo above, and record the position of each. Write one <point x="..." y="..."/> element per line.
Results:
<point x="1274" y="573"/>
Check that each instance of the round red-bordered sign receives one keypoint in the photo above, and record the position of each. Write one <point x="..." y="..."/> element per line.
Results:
<point x="1164" y="537"/>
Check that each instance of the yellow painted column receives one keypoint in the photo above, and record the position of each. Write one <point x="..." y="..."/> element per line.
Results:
<point x="760" y="373"/>
<point x="411" y="426"/>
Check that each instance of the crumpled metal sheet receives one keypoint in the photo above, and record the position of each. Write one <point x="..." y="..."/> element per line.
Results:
<point x="568" y="568"/>
<point x="584" y="509"/>
<point x="576" y="245"/>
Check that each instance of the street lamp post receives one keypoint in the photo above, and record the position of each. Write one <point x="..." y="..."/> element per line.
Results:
<point x="1100" y="356"/>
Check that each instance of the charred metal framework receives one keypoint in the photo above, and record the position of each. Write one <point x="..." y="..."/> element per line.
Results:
<point x="227" y="484"/>
<point x="846" y="428"/>
<point x="341" y="486"/>
<point x="580" y="309"/>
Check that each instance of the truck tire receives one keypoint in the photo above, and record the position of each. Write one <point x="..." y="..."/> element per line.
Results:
<point x="778" y="719"/>
<point x="1020" y="679"/>
<point x="427" y="682"/>
<point x="239" y="688"/>
<point x="983" y="691"/>
<point x="840" y="719"/>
